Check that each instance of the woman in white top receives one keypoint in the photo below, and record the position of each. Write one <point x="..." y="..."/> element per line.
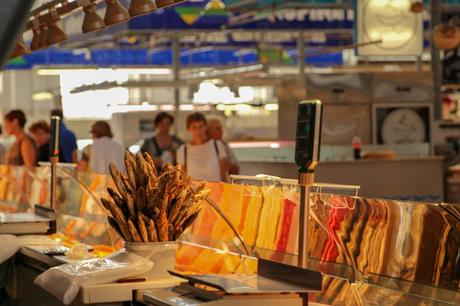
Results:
<point x="203" y="158"/>
<point x="103" y="150"/>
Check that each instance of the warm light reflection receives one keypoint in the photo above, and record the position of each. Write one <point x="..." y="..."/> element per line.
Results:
<point x="397" y="4"/>
<point x="167" y="107"/>
<point x="92" y="104"/>
<point x="131" y="71"/>
<point x="132" y="108"/>
<point x="246" y="109"/>
<point x="82" y="143"/>
<point x="389" y="36"/>
<point x="42" y="96"/>
<point x="191" y="107"/>
<point x="209" y="93"/>
<point x="272" y="107"/>
<point x="134" y="149"/>
<point x="186" y="107"/>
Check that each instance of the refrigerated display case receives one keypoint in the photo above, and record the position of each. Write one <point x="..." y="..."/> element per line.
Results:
<point x="369" y="251"/>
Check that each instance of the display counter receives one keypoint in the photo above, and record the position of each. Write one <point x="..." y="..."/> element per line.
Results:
<point x="412" y="175"/>
<point x="369" y="251"/>
<point x="415" y="179"/>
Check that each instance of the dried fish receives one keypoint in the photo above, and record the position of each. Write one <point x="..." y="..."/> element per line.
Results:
<point x="142" y="227"/>
<point x="177" y="207"/>
<point x="130" y="165"/>
<point x="162" y="227"/>
<point x="113" y="223"/>
<point x="119" y="201"/>
<point x="152" y="172"/>
<point x="152" y="231"/>
<point x="152" y="207"/>
<point x="131" y="205"/>
<point x="134" y="233"/>
<point x="118" y="181"/>
<point x="140" y="199"/>
<point x="117" y="214"/>
<point x="141" y="170"/>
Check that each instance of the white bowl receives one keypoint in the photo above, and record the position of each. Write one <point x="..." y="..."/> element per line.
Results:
<point x="162" y="254"/>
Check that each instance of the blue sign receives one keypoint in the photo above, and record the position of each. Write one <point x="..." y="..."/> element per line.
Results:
<point x="144" y="57"/>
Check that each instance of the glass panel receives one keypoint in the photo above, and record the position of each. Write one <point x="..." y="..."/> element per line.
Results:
<point x="365" y="248"/>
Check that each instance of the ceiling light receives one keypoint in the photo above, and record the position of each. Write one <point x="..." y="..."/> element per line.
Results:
<point x="20" y="49"/>
<point x="35" y="44"/>
<point x="131" y="71"/>
<point x="92" y="21"/>
<point x="164" y="3"/>
<point x="271" y="107"/>
<point x="133" y="108"/>
<point x="43" y="38"/>
<point x="42" y="96"/>
<point x="151" y="71"/>
<point x="55" y="34"/>
<point x="115" y="12"/>
<point x="167" y="107"/>
<point x="186" y="107"/>
<point x="141" y="7"/>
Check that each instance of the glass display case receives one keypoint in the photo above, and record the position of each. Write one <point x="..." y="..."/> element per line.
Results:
<point x="283" y="151"/>
<point x="369" y="251"/>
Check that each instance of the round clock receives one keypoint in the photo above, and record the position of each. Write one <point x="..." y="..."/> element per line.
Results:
<point x="403" y="126"/>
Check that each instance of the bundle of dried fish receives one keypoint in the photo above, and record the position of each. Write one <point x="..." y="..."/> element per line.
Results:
<point x="150" y="207"/>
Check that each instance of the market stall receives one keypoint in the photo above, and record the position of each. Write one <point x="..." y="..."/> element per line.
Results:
<point x="419" y="265"/>
<point x="335" y="230"/>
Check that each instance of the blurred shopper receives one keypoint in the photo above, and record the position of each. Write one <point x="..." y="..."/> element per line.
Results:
<point x="41" y="134"/>
<point x="67" y="140"/>
<point x="203" y="158"/>
<point x="163" y="145"/>
<point x="103" y="150"/>
<point x="23" y="152"/>
<point x="216" y="132"/>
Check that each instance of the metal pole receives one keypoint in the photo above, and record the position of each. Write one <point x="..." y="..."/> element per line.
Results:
<point x="301" y="56"/>
<point x="435" y="59"/>
<point x="54" y="158"/>
<point x="53" y="181"/>
<point x="306" y="180"/>
<point x="418" y="64"/>
<point x="176" y="73"/>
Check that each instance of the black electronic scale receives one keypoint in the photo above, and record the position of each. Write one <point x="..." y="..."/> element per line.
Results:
<point x="274" y="284"/>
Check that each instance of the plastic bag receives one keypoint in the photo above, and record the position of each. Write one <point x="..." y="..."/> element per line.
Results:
<point x="9" y="245"/>
<point x="79" y="252"/>
<point x="65" y="281"/>
<point x="37" y="240"/>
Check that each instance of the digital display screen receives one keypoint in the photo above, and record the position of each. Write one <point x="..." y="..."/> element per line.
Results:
<point x="305" y="109"/>
<point x="307" y="146"/>
<point x="303" y="129"/>
<point x="302" y="144"/>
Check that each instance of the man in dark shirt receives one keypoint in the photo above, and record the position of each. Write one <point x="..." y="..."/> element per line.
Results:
<point x="40" y="132"/>
<point x="67" y="140"/>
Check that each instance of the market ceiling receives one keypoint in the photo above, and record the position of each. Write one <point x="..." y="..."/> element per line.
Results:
<point x="227" y="25"/>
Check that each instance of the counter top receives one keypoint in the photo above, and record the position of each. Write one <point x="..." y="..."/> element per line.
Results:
<point x="363" y="161"/>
